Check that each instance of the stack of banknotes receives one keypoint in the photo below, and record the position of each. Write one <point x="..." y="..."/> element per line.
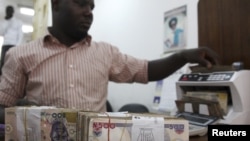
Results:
<point x="131" y="127"/>
<point x="40" y="124"/>
<point x="59" y="124"/>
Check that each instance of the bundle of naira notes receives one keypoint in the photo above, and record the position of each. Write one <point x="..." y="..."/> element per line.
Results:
<point x="217" y="96"/>
<point x="40" y="124"/>
<point x="214" y="103"/>
<point x="120" y="126"/>
<point x="58" y="124"/>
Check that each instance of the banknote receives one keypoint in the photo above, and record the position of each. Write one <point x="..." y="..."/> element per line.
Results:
<point x="23" y="123"/>
<point x="10" y="124"/>
<point x="59" y="124"/>
<point x="221" y="97"/>
<point x="84" y="116"/>
<point x="82" y="123"/>
<point x="109" y="128"/>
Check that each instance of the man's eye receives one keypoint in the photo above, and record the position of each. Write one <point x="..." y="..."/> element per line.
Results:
<point x="84" y="3"/>
<point x="81" y="2"/>
<point x="77" y="1"/>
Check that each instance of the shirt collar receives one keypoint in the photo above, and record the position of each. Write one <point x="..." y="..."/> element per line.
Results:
<point x="49" y="38"/>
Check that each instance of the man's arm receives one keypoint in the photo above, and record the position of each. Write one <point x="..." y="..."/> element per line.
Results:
<point x="161" y="68"/>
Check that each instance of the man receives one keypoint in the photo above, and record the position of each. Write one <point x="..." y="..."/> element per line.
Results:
<point x="178" y="34"/>
<point x="66" y="68"/>
<point x="11" y="30"/>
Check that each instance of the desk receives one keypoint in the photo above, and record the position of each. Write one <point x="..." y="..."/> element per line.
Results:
<point x="193" y="138"/>
<point x="198" y="138"/>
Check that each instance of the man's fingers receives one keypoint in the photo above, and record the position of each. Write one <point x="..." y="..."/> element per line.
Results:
<point x="209" y="57"/>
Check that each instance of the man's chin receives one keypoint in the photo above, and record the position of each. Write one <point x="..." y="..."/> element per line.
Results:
<point x="80" y="35"/>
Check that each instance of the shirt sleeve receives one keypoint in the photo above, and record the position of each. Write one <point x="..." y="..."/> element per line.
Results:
<point x="12" y="81"/>
<point x="125" y="68"/>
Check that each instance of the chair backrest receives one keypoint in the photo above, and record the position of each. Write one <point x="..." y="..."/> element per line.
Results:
<point x="134" y="108"/>
<point x="109" y="107"/>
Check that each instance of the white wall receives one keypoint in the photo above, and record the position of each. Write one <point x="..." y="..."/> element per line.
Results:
<point x="136" y="28"/>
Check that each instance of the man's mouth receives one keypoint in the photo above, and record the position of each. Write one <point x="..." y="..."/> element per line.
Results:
<point x="85" y="24"/>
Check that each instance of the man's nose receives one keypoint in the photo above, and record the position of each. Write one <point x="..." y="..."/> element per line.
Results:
<point x="87" y="10"/>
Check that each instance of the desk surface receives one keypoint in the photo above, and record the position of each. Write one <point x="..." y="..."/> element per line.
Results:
<point x="193" y="138"/>
<point x="198" y="138"/>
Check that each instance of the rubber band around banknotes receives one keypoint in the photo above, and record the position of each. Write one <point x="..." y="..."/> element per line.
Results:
<point x="108" y="126"/>
<point x="123" y="129"/>
<point x="109" y="122"/>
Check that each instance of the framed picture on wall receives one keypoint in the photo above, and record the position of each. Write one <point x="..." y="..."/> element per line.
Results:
<point x="175" y="22"/>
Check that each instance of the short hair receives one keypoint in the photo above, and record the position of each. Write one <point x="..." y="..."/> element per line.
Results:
<point x="172" y="21"/>
<point x="10" y="7"/>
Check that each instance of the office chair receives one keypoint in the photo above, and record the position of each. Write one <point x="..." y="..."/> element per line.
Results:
<point x="134" y="108"/>
<point x="109" y="107"/>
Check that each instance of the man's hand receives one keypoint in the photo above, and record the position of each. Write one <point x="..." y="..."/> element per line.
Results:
<point x="203" y="56"/>
<point x="162" y="68"/>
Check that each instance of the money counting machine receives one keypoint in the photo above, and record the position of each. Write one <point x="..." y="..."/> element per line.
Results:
<point x="235" y="84"/>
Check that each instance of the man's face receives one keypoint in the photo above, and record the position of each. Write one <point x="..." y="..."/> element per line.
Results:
<point x="76" y="17"/>
<point x="173" y="26"/>
<point x="59" y="132"/>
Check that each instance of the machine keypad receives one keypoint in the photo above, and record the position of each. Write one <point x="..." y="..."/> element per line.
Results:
<point x="207" y="77"/>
